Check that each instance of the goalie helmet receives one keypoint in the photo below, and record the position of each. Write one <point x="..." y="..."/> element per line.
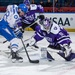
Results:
<point x="47" y="24"/>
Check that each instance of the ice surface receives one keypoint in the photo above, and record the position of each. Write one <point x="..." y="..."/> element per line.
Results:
<point x="57" y="67"/>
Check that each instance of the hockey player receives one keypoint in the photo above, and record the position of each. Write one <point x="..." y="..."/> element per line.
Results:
<point x="7" y="29"/>
<point x="57" y="37"/>
<point x="26" y="19"/>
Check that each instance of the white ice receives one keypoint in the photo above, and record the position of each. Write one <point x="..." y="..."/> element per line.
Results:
<point x="57" y="67"/>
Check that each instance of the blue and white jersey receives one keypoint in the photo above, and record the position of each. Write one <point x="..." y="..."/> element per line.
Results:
<point x="11" y="15"/>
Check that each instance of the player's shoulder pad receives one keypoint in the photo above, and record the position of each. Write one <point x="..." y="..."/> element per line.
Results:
<point x="10" y="7"/>
<point x="40" y="6"/>
<point x="55" y="28"/>
<point x="33" y="6"/>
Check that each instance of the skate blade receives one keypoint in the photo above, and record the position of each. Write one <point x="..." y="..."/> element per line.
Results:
<point x="13" y="60"/>
<point x="20" y="60"/>
<point x="17" y="61"/>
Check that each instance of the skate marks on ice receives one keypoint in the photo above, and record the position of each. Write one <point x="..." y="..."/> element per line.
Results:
<point x="58" y="67"/>
<point x="9" y="68"/>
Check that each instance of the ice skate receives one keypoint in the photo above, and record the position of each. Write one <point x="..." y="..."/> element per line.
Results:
<point x="16" y="57"/>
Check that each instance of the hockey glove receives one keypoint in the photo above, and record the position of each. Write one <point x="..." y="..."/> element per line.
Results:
<point x="18" y="33"/>
<point x="41" y="17"/>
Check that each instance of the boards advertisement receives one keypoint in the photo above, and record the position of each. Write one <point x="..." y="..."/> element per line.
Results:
<point x="66" y="20"/>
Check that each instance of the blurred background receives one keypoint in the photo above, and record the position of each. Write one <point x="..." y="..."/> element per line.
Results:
<point x="61" y="11"/>
<point x="49" y="5"/>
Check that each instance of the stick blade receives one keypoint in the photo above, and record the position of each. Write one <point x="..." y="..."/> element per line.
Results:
<point x="34" y="61"/>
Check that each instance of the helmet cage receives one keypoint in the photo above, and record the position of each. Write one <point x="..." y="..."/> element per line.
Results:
<point x="46" y="24"/>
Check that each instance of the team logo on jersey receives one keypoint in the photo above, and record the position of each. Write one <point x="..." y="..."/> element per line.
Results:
<point x="55" y="28"/>
<point x="15" y="16"/>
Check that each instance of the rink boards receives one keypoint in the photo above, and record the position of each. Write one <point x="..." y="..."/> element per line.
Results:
<point x="66" y="20"/>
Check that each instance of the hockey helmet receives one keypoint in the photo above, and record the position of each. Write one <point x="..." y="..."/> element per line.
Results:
<point x="47" y="24"/>
<point x="23" y="7"/>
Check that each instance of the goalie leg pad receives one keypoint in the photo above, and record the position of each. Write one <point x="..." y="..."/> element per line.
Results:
<point x="69" y="58"/>
<point x="68" y="50"/>
<point x="49" y="57"/>
<point x="46" y="54"/>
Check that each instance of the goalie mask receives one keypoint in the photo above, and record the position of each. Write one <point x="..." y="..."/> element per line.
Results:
<point x="47" y="24"/>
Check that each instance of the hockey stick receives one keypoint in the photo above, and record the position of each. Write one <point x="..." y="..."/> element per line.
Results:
<point x="32" y="23"/>
<point x="3" y="42"/>
<point x="6" y="54"/>
<point x="49" y="49"/>
<point x="59" y="52"/>
<point x="55" y="51"/>
<point x="31" y="61"/>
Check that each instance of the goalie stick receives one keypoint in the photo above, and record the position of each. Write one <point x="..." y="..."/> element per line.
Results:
<point x="31" y="61"/>
<point x="60" y="53"/>
<point x="36" y="48"/>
